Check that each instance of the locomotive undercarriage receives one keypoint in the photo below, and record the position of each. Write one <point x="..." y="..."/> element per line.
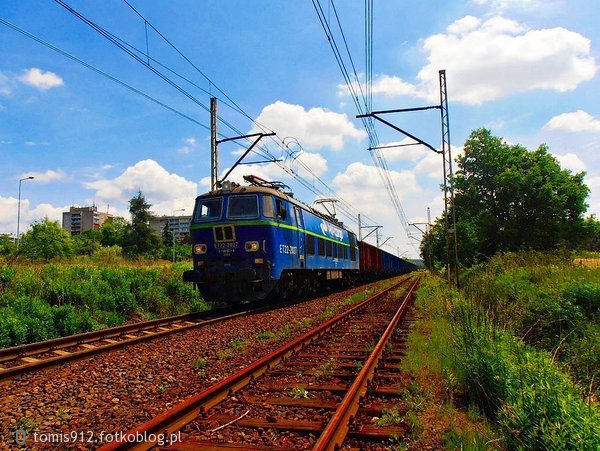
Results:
<point x="302" y="282"/>
<point x="243" y="286"/>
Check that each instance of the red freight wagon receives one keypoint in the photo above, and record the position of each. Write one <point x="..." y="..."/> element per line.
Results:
<point x="370" y="258"/>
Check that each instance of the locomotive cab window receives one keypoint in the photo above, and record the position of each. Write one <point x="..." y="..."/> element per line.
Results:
<point x="208" y="209"/>
<point x="280" y="208"/>
<point x="243" y="207"/>
<point x="268" y="207"/>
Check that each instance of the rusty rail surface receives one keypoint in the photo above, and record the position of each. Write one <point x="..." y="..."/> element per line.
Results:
<point x="104" y="339"/>
<point x="335" y="432"/>
<point x="183" y="413"/>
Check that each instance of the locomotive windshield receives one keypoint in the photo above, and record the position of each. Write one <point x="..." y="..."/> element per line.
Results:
<point x="243" y="207"/>
<point x="208" y="209"/>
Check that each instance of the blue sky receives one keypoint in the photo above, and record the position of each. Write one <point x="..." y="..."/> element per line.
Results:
<point x="526" y="69"/>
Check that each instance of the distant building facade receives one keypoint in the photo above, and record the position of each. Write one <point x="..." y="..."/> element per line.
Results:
<point x="80" y="219"/>
<point x="179" y="226"/>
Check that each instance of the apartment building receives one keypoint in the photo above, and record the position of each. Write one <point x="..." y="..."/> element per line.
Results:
<point x="80" y="219"/>
<point x="179" y="226"/>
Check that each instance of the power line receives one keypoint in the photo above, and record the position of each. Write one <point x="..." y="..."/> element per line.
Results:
<point x="101" y="72"/>
<point x="347" y="207"/>
<point x="356" y="85"/>
<point x="138" y="56"/>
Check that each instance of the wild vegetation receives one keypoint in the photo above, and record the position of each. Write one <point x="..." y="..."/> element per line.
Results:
<point x="58" y="284"/>
<point x="520" y="342"/>
<point x="43" y="301"/>
<point x="519" y="345"/>
<point x="508" y="198"/>
<point x="46" y="240"/>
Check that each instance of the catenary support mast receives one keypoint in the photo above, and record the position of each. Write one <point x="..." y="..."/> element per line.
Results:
<point x="449" y="210"/>
<point x="214" y="153"/>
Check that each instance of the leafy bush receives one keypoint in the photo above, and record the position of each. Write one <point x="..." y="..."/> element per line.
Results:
<point x="543" y="408"/>
<point x="545" y="300"/>
<point x="56" y="299"/>
<point x="533" y="401"/>
<point x="586" y="296"/>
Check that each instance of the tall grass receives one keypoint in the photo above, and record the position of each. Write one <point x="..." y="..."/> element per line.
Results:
<point x="42" y="301"/>
<point x="547" y="302"/>
<point x="532" y="400"/>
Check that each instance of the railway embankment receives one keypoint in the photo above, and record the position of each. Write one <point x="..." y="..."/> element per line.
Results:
<point x="512" y="360"/>
<point x="116" y="391"/>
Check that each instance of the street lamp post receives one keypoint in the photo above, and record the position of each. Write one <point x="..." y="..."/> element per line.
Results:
<point x="173" y="233"/>
<point x="19" y="210"/>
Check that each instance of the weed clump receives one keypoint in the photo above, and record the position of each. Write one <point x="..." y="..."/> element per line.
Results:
<point x="43" y="301"/>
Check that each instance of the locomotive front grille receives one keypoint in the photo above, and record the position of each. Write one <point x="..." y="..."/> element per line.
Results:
<point x="224" y="233"/>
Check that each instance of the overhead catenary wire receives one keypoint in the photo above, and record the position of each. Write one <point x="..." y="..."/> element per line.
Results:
<point x="376" y="154"/>
<point x="349" y="211"/>
<point x="101" y="72"/>
<point x="144" y="58"/>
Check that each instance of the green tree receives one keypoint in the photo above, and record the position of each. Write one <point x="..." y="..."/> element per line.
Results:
<point x="508" y="198"/>
<point x="590" y="239"/>
<point x="167" y="236"/>
<point x="139" y="237"/>
<point x="46" y="240"/>
<point x="87" y="243"/>
<point x="7" y="246"/>
<point x="113" y="231"/>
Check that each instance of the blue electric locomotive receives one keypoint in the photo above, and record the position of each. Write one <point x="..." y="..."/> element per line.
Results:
<point x="250" y="242"/>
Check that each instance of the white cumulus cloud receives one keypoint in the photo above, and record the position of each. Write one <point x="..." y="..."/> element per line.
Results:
<point x="387" y="85"/>
<point x="489" y="59"/>
<point x="41" y="80"/>
<point x="578" y="121"/>
<point x="404" y="150"/>
<point x="29" y="214"/>
<point x="361" y="186"/>
<point x="48" y="176"/>
<point x="304" y="164"/>
<point x="164" y="190"/>
<point x="315" y="128"/>
<point x="571" y="161"/>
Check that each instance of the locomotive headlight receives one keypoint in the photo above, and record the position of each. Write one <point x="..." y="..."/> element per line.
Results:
<point x="200" y="249"/>
<point x="251" y="246"/>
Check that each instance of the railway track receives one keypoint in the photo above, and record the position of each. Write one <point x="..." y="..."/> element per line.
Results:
<point x="35" y="356"/>
<point x="307" y="393"/>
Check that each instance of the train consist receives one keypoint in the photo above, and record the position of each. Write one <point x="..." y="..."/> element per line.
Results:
<point x="256" y="241"/>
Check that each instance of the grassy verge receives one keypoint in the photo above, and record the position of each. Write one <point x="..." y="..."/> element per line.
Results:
<point x="432" y="398"/>
<point x="43" y="301"/>
<point x="472" y="346"/>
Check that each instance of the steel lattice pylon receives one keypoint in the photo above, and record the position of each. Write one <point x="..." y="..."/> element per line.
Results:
<point x="449" y="210"/>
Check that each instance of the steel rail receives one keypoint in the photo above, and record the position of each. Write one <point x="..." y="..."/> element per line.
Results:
<point x="178" y="323"/>
<point x="336" y="430"/>
<point x="186" y="411"/>
<point x="62" y="342"/>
